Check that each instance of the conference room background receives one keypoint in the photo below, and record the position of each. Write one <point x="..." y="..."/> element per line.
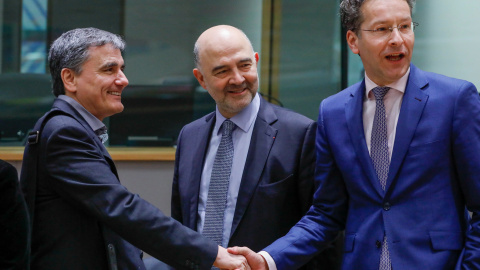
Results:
<point x="303" y="56"/>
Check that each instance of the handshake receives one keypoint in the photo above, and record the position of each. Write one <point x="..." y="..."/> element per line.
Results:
<point x="239" y="258"/>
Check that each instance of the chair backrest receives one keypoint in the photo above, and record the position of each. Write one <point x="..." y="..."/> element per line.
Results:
<point x="23" y="99"/>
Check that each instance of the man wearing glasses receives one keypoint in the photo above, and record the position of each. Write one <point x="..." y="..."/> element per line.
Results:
<point x="398" y="157"/>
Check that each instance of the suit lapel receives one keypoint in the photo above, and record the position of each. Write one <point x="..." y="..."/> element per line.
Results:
<point x="354" y="118"/>
<point x="261" y="143"/>
<point x="108" y="158"/>
<point x="413" y="103"/>
<point x="198" y="159"/>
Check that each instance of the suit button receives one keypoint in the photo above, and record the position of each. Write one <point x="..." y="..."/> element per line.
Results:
<point x="386" y="206"/>
<point x="378" y="244"/>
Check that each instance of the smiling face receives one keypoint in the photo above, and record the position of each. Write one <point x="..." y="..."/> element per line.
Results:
<point x="385" y="59"/>
<point x="227" y="68"/>
<point x="98" y="87"/>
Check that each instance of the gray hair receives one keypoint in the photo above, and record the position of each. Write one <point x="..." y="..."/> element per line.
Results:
<point x="196" y="56"/>
<point x="70" y="51"/>
<point x="352" y="17"/>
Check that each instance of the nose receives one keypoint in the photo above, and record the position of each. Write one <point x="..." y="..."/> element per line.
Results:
<point x="121" y="79"/>
<point x="395" y="37"/>
<point x="237" y="78"/>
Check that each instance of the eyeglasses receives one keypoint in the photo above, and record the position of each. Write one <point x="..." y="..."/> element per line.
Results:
<point x="384" y="32"/>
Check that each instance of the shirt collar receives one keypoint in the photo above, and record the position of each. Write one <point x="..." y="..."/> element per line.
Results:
<point x="92" y="121"/>
<point x="244" y="119"/>
<point x="399" y="85"/>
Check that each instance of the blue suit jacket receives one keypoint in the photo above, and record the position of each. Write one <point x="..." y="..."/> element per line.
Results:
<point x="277" y="183"/>
<point x="433" y="179"/>
<point x="85" y="219"/>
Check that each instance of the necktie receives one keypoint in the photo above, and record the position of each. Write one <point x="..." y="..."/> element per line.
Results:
<point x="380" y="158"/>
<point x="217" y="191"/>
<point x="102" y="134"/>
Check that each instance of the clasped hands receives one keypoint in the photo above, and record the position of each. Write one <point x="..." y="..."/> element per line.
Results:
<point x="239" y="258"/>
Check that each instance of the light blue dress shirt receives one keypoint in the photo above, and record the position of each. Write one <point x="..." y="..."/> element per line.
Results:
<point x="241" y="136"/>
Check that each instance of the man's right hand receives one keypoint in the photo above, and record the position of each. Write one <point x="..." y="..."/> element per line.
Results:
<point x="255" y="260"/>
<point x="227" y="260"/>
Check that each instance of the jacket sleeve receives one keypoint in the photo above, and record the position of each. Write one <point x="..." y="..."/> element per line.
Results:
<point x="176" y="208"/>
<point x="307" y="168"/>
<point x="14" y="222"/>
<point x="325" y="218"/>
<point x="466" y="153"/>
<point x="83" y="174"/>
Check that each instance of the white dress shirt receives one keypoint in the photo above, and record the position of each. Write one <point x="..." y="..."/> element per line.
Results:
<point x="393" y="102"/>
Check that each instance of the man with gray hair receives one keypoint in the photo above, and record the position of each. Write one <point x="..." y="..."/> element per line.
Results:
<point x="398" y="159"/>
<point x="82" y="217"/>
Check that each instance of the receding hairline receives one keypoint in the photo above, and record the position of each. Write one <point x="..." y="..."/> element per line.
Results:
<point x="215" y="31"/>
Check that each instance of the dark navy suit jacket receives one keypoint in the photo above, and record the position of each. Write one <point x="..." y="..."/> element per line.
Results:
<point x="277" y="183"/>
<point x="433" y="180"/>
<point x="14" y="221"/>
<point x="85" y="219"/>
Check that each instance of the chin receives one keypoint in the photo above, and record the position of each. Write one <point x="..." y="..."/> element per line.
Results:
<point x="241" y="105"/>
<point x="118" y="110"/>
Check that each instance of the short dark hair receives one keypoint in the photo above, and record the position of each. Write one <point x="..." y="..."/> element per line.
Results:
<point x="70" y="50"/>
<point x="352" y="17"/>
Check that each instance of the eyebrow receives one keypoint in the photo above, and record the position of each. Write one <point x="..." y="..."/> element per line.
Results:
<point x="111" y="64"/>
<point x="249" y="60"/>
<point x="386" y="21"/>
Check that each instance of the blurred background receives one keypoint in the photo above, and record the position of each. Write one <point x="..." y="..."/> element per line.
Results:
<point x="303" y="56"/>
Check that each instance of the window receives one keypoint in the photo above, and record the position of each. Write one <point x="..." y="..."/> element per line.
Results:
<point x="303" y="56"/>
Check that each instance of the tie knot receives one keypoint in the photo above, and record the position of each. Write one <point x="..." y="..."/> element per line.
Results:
<point x="227" y="127"/>
<point x="101" y="130"/>
<point x="102" y="134"/>
<point x="380" y="91"/>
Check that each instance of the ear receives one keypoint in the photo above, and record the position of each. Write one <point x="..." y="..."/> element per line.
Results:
<point x="256" y="57"/>
<point x="200" y="79"/>
<point x="69" y="81"/>
<point x="352" y="40"/>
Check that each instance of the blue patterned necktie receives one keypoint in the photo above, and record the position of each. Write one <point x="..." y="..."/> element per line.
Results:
<point x="217" y="191"/>
<point x="102" y="134"/>
<point x="380" y="158"/>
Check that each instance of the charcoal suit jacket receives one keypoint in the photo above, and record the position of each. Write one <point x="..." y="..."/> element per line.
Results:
<point x="85" y="219"/>
<point x="277" y="185"/>
<point x="14" y="229"/>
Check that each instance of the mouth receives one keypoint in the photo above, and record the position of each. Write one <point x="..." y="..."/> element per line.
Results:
<point x="395" y="56"/>
<point x="114" y="93"/>
<point x="237" y="91"/>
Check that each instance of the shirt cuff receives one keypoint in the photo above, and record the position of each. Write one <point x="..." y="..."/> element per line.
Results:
<point x="270" y="262"/>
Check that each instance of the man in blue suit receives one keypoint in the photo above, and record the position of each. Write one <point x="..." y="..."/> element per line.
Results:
<point x="408" y="211"/>
<point x="271" y="185"/>
<point x="83" y="218"/>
